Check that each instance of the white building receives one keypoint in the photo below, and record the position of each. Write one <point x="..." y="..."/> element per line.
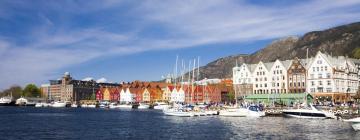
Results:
<point x="333" y="76"/>
<point x="177" y="95"/>
<point x="243" y="74"/>
<point x="278" y="76"/>
<point x="126" y="96"/>
<point x="261" y="77"/>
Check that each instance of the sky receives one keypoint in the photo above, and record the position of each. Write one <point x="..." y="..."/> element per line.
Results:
<point x="125" y="40"/>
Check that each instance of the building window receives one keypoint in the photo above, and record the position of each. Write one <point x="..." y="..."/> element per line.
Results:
<point x="319" y="75"/>
<point x="312" y="83"/>
<point x="329" y="82"/>
<point x="320" y="83"/>
<point x="328" y="90"/>
<point x="327" y="75"/>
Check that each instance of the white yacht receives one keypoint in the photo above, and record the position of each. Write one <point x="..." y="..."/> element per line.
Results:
<point x="113" y="105"/>
<point x="4" y="101"/>
<point x="311" y="112"/>
<point x="161" y="105"/>
<point x="177" y="112"/>
<point x="21" y="101"/>
<point x="143" y="106"/>
<point x="125" y="106"/>
<point x="234" y="112"/>
<point x="355" y="123"/>
<point x="74" y="105"/>
<point x="40" y="104"/>
<point x="58" y="104"/>
<point x="91" y="106"/>
<point x="251" y="111"/>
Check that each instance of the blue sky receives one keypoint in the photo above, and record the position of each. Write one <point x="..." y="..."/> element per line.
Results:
<point x="139" y="40"/>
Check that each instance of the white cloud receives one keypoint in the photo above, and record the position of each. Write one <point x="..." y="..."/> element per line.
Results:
<point x="186" y="23"/>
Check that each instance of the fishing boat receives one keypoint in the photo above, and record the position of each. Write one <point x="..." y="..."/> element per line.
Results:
<point x="355" y="123"/>
<point x="311" y="112"/>
<point x="58" y="104"/>
<point x="178" y="112"/>
<point x="161" y="105"/>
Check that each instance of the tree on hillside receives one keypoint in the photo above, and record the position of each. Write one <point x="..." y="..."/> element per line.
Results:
<point x="31" y="90"/>
<point x="14" y="90"/>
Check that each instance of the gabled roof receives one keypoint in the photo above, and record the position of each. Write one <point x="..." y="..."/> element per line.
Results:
<point x="268" y="65"/>
<point x="286" y="63"/>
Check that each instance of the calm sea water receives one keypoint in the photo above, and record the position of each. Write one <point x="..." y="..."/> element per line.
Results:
<point x="81" y="123"/>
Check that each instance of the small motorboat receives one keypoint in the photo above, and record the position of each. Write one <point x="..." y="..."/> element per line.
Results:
<point x="161" y="105"/>
<point x="125" y="106"/>
<point x="234" y="112"/>
<point x="42" y="105"/>
<point x="311" y="112"/>
<point x="74" y="105"/>
<point x="91" y="106"/>
<point x="355" y="123"/>
<point x="58" y="104"/>
<point x="143" y="106"/>
<point x="178" y="113"/>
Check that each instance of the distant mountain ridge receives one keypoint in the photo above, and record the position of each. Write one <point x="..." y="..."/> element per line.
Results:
<point x="338" y="41"/>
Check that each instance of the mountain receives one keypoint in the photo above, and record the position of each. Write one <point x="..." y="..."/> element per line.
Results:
<point x="339" y="41"/>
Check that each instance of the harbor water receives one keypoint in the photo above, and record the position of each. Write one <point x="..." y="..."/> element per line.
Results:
<point x="93" y="123"/>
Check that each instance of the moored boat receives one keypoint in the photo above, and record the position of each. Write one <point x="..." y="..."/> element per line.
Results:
<point x="237" y="112"/>
<point x="143" y="106"/>
<point x="161" y="105"/>
<point x="311" y="112"/>
<point x="355" y="123"/>
<point x="178" y="113"/>
<point x="5" y="101"/>
<point x="74" y="105"/>
<point x="125" y="106"/>
<point x="58" y="104"/>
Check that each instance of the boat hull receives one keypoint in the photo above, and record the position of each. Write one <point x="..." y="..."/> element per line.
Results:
<point x="143" y="107"/>
<point x="179" y="113"/>
<point x="305" y="115"/>
<point x="355" y="123"/>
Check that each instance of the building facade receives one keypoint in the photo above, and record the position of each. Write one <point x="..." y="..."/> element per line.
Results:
<point x="296" y="79"/>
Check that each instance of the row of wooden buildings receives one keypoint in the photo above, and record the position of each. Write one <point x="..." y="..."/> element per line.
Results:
<point x="150" y="92"/>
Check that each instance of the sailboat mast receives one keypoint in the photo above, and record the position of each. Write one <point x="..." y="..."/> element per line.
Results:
<point x="188" y="83"/>
<point x="197" y="76"/>
<point x="193" y="79"/>
<point x="182" y="72"/>
<point x="235" y="94"/>
<point x="176" y="63"/>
